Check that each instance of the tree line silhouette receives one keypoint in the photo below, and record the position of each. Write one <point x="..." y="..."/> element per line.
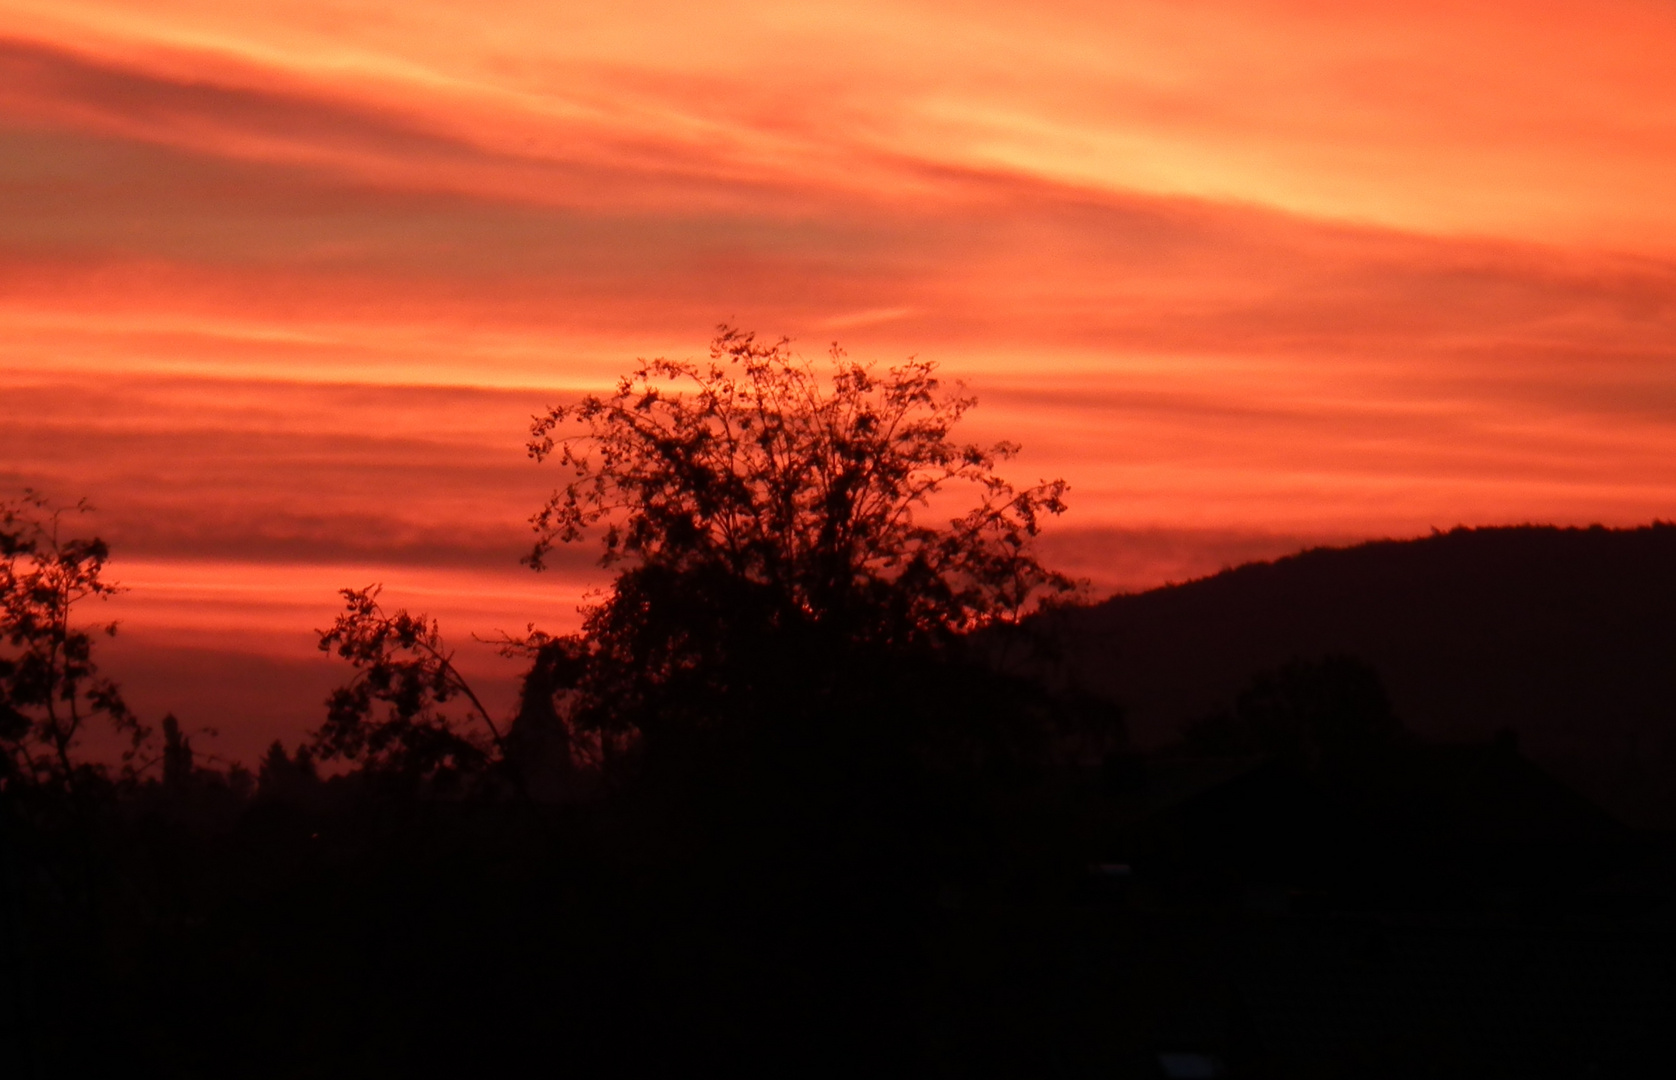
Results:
<point x="813" y="788"/>
<point x="780" y="672"/>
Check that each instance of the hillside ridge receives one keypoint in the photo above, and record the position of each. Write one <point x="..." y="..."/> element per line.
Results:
<point x="1562" y="634"/>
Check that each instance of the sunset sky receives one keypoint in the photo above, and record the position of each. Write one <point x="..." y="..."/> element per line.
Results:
<point x="280" y="284"/>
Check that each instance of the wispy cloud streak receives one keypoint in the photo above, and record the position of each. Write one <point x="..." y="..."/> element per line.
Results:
<point x="280" y="286"/>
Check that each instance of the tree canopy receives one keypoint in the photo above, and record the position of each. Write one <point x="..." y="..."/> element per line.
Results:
<point x="1322" y="712"/>
<point x="50" y="685"/>
<point x="812" y="485"/>
<point x="396" y="714"/>
<point x="787" y="539"/>
<point x="772" y="523"/>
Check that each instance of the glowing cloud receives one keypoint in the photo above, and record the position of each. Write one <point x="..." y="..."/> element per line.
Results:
<point x="280" y="284"/>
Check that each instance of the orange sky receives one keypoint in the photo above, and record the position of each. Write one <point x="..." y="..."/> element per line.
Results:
<point x="279" y="283"/>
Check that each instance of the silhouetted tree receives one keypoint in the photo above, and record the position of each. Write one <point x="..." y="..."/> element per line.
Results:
<point x="780" y="549"/>
<point x="281" y="775"/>
<point x="780" y="533"/>
<point x="554" y="760"/>
<point x="1320" y="712"/>
<point x="394" y="716"/>
<point x="50" y="686"/>
<point x="177" y="754"/>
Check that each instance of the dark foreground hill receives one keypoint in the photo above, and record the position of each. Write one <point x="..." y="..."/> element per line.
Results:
<point x="1565" y="636"/>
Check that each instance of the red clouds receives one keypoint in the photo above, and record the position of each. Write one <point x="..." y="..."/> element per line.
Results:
<point x="279" y="284"/>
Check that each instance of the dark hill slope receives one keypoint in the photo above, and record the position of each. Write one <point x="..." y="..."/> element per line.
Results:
<point x="1567" y="636"/>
